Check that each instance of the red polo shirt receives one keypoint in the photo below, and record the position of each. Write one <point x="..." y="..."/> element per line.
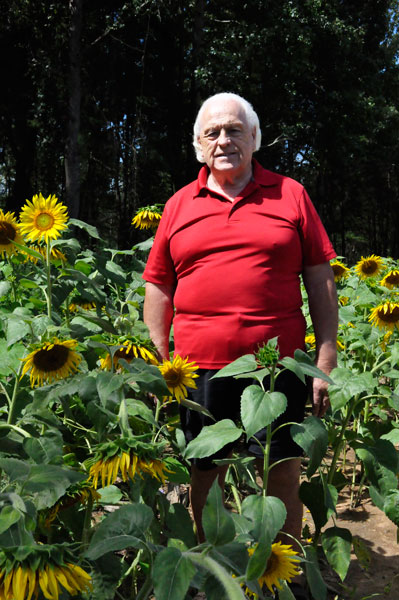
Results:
<point x="236" y="265"/>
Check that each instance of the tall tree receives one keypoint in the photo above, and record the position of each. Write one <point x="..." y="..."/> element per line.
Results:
<point x="72" y="156"/>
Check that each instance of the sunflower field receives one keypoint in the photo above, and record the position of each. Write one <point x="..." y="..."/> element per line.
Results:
<point x="92" y="456"/>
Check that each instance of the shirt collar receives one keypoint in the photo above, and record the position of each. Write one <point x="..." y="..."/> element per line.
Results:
<point x="261" y="177"/>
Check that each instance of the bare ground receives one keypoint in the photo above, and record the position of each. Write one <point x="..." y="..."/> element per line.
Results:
<point x="376" y="575"/>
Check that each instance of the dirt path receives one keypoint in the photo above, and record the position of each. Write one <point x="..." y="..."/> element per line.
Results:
<point x="378" y="535"/>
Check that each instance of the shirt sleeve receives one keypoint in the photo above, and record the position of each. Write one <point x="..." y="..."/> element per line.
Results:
<point x="160" y="268"/>
<point x="317" y="247"/>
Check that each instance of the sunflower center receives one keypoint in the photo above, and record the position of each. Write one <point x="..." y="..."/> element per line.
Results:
<point x="126" y="354"/>
<point x="389" y="317"/>
<point x="7" y="233"/>
<point x="393" y="278"/>
<point x="369" y="267"/>
<point x="44" y="221"/>
<point x="173" y="377"/>
<point x="272" y="564"/>
<point x="51" y="360"/>
<point x="338" y="270"/>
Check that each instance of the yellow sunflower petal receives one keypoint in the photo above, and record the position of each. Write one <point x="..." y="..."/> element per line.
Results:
<point x="113" y="470"/>
<point x="19" y="583"/>
<point x="179" y="374"/>
<point x="51" y="361"/>
<point x="369" y="266"/>
<point x="32" y="583"/>
<point x="10" y="232"/>
<point x="60" y="575"/>
<point x="43" y="582"/>
<point x="43" y="218"/>
<point x="52" y="582"/>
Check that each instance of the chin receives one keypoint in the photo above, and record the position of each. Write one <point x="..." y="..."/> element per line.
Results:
<point x="225" y="165"/>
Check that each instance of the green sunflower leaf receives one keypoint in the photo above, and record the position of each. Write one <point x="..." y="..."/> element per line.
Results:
<point x="268" y="515"/>
<point x="312" y="436"/>
<point x="86" y="227"/>
<point x="124" y="528"/>
<point x="259" y="408"/>
<point x="336" y="543"/>
<point x="212" y="438"/>
<point x="244" y="364"/>
<point x="216" y="520"/>
<point x="172" y="574"/>
<point x="314" y="578"/>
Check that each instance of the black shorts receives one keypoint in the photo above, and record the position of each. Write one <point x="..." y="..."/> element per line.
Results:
<point x="221" y="397"/>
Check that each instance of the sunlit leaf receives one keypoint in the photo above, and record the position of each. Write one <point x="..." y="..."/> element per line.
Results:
<point x="259" y="408"/>
<point x="336" y="543"/>
<point x="212" y="438"/>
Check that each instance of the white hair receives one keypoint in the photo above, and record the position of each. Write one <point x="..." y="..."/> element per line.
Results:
<point x="251" y="116"/>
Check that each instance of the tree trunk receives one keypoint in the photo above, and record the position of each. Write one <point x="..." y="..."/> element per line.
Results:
<point x="72" y="158"/>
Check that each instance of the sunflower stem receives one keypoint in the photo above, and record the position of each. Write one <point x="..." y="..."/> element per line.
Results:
<point x="158" y="406"/>
<point x="87" y="524"/>
<point x="231" y="587"/>
<point x="48" y="272"/>
<point x="12" y="279"/>
<point x="266" y="454"/>
<point x="12" y="412"/>
<point x="340" y="438"/>
<point x="19" y="430"/>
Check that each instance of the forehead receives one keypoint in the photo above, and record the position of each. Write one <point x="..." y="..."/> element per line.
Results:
<point x="219" y="113"/>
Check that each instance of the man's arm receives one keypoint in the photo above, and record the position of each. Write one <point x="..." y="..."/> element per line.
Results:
<point x="158" y="314"/>
<point x="323" y="308"/>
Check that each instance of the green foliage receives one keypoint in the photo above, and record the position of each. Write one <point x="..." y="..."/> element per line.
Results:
<point x="108" y="426"/>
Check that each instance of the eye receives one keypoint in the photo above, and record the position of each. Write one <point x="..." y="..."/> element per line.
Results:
<point x="212" y="134"/>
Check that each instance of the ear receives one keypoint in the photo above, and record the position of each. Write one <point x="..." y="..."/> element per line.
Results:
<point x="254" y="136"/>
<point x="200" y="154"/>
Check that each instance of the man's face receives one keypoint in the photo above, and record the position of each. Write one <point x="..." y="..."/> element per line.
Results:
<point x="226" y="138"/>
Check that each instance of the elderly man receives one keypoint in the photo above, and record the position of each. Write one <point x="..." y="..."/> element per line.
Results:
<point x="227" y="257"/>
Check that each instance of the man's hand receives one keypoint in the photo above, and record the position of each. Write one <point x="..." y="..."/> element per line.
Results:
<point x="320" y="399"/>
<point x="323" y="308"/>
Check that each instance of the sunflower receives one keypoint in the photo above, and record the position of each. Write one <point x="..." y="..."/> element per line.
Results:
<point x="391" y="279"/>
<point x="343" y="300"/>
<point x="310" y="340"/>
<point x="385" y="316"/>
<point x="340" y="270"/>
<point x="23" y="581"/>
<point x="80" y="495"/>
<point x="369" y="266"/>
<point x="51" y="361"/>
<point x="9" y="233"/>
<point x="43" y="218"/>
<point x="131" y="349"/>
<point x="55" y="254"/>
<point x="81" y="303"/>
<point x="385" y="340"/>
<point x="147" y="217"/>
<point x="179" y="375"/>
<point x="280" y="566"/>
<point x="128" y="465"/>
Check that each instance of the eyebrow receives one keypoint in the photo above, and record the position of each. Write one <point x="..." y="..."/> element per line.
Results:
<point x="222" y="125"/>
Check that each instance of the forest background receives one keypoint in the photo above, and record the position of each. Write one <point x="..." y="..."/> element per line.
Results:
<point x="99" y="97"/>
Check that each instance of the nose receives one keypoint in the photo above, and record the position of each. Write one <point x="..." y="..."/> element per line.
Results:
<point x="224" y="137"/>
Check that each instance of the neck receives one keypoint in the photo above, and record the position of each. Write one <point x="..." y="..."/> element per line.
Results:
<point x="229" y="184"/>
